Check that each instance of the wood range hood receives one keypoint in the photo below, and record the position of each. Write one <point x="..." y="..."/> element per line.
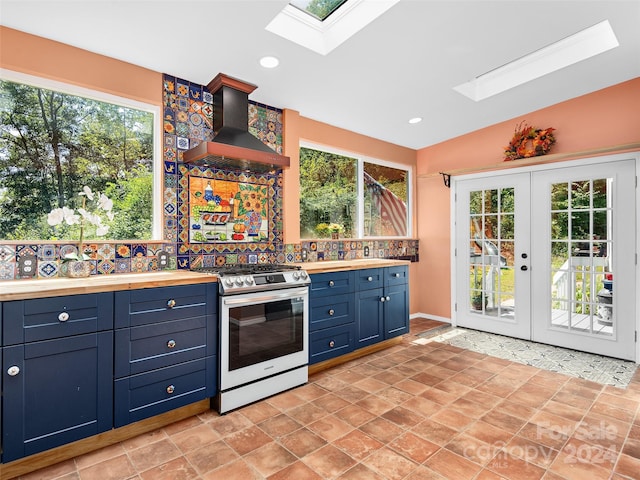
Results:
<point x="233" y="147"/>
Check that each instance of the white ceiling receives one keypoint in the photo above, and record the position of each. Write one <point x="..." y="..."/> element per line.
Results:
<point x="404" y="64"/>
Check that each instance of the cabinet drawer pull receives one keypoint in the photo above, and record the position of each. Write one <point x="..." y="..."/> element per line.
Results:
<point x="171" y="389"/>
<point x="171" y="343"/>
<point x="397" y="275"/>
<point x="171" y="303"/>
<point x="332" y="344"/>
<point x="13" y="371"/>
<point x="63" y="316"/>
<point x="331" y="312"/>
<point x="369" y="279"/>
<point x="331" y="283"/>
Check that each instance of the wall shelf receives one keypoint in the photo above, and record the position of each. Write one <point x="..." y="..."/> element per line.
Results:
<point x="524" y="162"/>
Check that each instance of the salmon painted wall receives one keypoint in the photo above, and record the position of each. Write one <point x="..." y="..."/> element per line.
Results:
<point x="297" y="129"/>
<point x="25" y="53"/>
<point x="606" y="118"/>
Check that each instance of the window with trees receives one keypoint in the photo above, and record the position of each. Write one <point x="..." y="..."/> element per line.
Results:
<point x="53" y="143"/>
<point x="352" y="196"/>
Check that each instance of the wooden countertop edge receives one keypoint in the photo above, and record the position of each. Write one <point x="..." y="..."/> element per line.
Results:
<point x="341" y="265"/>
<point x="56" y="287"/>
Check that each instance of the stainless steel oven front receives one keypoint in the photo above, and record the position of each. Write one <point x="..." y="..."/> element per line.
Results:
<point x="264" y="344"/>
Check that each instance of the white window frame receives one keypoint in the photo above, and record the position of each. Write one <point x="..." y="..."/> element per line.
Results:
<point x="361" y="159"/>
<point x="70" y="89"/>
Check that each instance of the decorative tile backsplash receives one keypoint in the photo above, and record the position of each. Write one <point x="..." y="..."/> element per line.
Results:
<point x="187" y="121"/>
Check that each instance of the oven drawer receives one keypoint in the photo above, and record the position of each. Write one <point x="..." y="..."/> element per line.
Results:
<point x="56" y="317"/>
<point x="370" y="278"/>
<point x="331" y="283"/>
<point x="331" y="342"/>
<point x="396" y="275"/>
<point x="164" y="304"/>
<point x="148" y="347"/>
<point x="331" y="311"/>
<point x="152" y="393"/>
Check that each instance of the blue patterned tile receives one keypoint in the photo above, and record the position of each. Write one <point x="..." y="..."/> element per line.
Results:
<point x="7" y="270"/>
<point x="122" y="265"/>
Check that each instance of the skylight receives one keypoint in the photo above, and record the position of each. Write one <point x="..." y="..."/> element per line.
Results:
<point x="580" y="46"/>
<point x="318" y="9"/>
<point x="296" y="24"/>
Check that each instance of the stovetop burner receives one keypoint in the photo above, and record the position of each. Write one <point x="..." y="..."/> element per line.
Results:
<point x="256" y="277"/>
<point x="246" y="268"/>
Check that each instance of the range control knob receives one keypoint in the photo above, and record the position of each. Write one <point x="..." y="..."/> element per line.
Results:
<point x="296" y="276"/>
<point x="228" y="282"/>
<point x="239" y="281"/>
<point x="303" y="275"/>
<point x="248" y="280"/>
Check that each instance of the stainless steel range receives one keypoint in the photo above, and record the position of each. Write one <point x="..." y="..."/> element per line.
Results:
<point x="264" y="326"/>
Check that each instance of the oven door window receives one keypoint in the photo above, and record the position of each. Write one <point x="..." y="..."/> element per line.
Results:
<point x="264" y="331"/>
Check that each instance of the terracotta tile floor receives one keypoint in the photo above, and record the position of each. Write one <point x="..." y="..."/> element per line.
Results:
<point x="429" y="411"/>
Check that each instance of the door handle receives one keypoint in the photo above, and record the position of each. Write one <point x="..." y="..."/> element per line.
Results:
<point x="524" y="268"/>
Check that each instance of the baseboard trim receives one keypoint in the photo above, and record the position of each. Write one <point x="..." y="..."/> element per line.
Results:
<point x="429" y="317"/>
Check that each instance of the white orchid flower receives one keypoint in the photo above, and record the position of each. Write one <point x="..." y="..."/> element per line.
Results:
<point x="105" y="203"/>
<point x="70" y="216"/>
<point x="102" y="230"/>
<point x="55" y="217"/>
<point x="87" y="191"/>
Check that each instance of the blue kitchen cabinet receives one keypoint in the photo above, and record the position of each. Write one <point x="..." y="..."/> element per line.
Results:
<point x="369" y="306"/>
<point x="165" y="349"/>
<point x="382" y="310"/>
<point x="396" y="305"/>
<point x="331" y="315"/>
<point x="57" y="375"/>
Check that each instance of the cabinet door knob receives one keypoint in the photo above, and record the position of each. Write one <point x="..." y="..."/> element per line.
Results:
<point x="13" y="371"/>
<point x="382" y="299"/>
<point x="331" y="283"/>
<point x="171" y="343"/>
<point x="331" y="312"/>
<point x="332" y="344"/>
<point x="171" y="303"/>
<point x="369" y="279"/>
<point x="397" y="275"/>
<point x="387" y="298"/>
<point x="63" y="316"/>
<point x="171" y="389"/>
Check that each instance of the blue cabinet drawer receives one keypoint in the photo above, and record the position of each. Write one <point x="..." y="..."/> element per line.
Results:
<point x="369" y="278"/>
<point x="331" y="311"/>
<point x="148" y="347"/>
<point x="331" y="342"/>
<point x="56" y="317"/>
<point x="164" y="304"/>
<point x="396" y="275"/>
<point x="331" y="283"/>
<point x="142" y="396"/>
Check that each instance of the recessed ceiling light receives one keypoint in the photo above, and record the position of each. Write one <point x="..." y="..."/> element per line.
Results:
<point x="269" y="62"/>
<point x="572" y="49"/>
<point x="415" y="120"/>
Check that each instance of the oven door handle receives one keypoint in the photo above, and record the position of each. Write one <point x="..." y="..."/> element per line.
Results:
<point x="253" y="299"/>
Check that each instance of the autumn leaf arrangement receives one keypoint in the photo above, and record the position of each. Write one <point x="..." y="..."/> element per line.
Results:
<point x="529" y="142"/>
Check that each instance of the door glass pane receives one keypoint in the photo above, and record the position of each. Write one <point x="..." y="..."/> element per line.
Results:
<point x="491" y="275"/>
<point x="581" y="295"/>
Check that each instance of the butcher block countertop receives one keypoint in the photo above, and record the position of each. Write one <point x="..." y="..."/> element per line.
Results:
<point x="338" y="265"/>
<point x="55" y="287"/>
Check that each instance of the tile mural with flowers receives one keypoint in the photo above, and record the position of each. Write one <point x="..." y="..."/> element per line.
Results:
<point x="188" y="120"/>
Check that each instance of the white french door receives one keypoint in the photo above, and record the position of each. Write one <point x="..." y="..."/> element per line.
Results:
<point x="492" y="252"/>
<point x="549" y="256"/>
